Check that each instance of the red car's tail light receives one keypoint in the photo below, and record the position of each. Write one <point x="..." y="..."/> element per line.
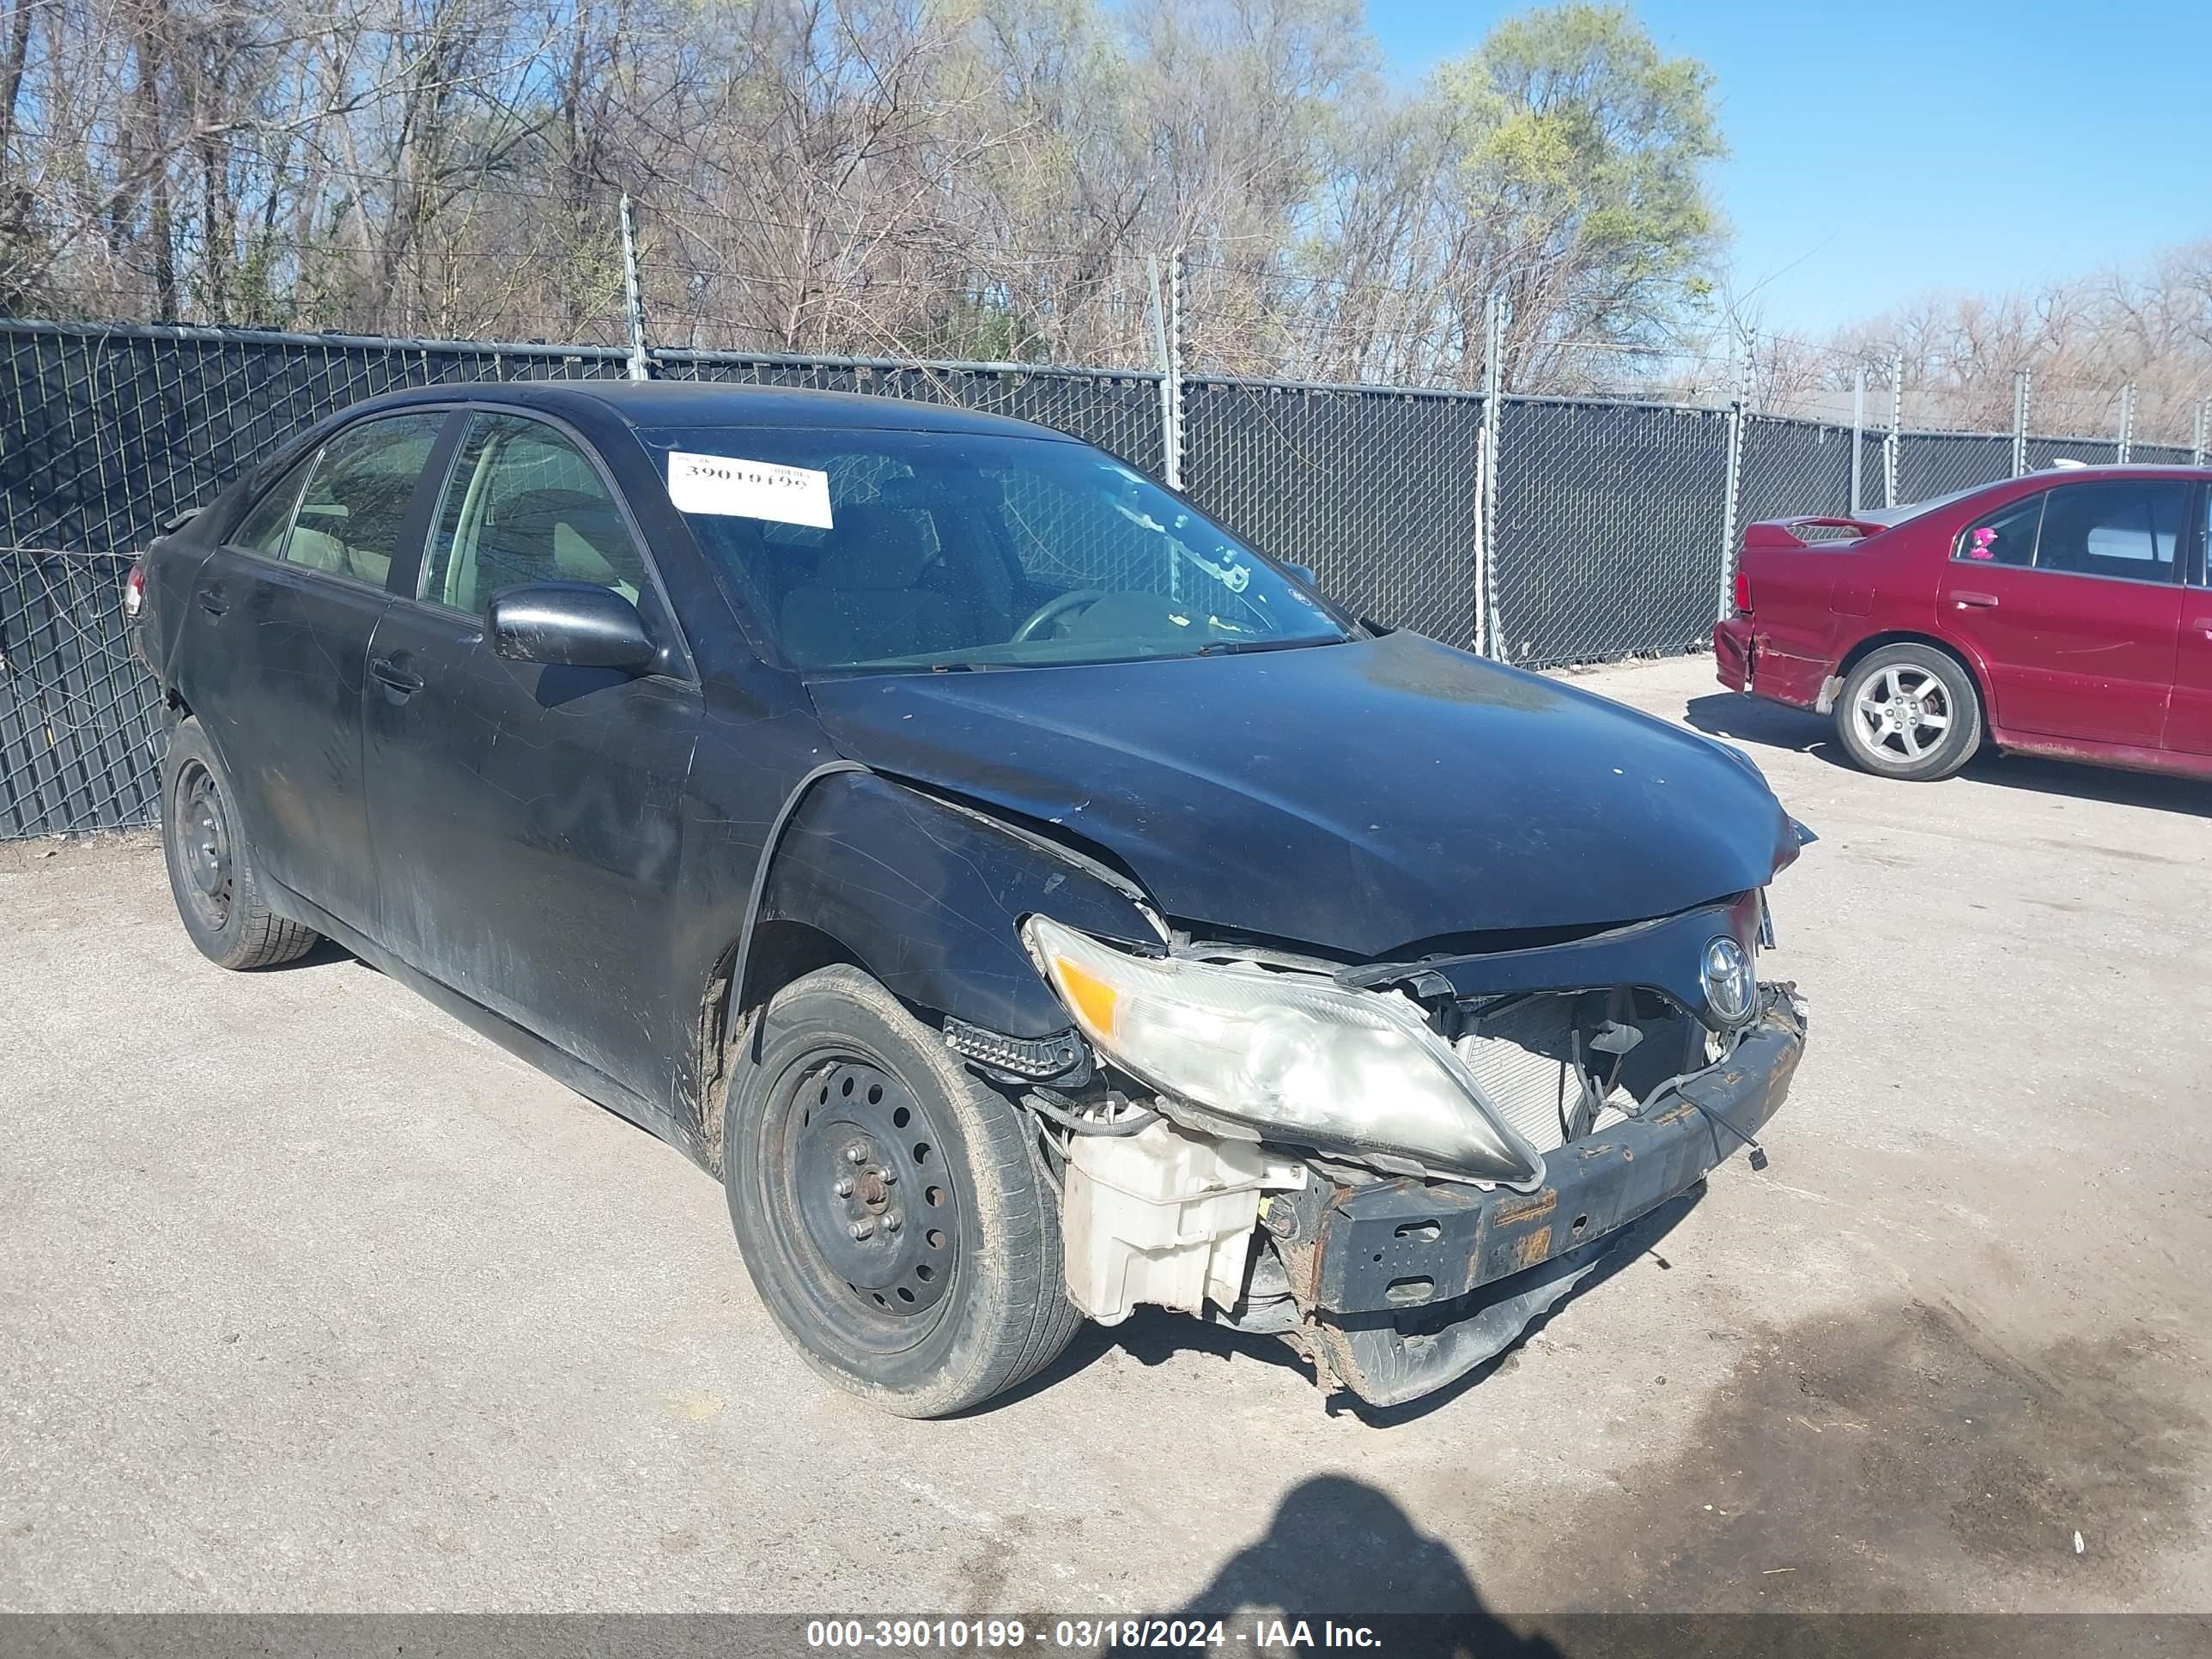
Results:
<point x="134" y="591"/>
<point x="1742" y="592"/>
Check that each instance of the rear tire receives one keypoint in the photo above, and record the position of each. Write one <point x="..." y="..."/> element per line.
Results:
<point x="888" y="1203"/>
<point x="1910" y="711"/>
<point x="213" y="874"/>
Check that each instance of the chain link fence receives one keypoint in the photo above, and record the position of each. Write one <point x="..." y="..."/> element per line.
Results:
<point x="108" y="433"/>
<point x="1603" y="528"/>
<point x="1373" y="491"/>
<point x="78" y="717"/>
<point x="1932" y="464"/>
<point x="1610" y="530"/>
<point x="1798" y="468"/>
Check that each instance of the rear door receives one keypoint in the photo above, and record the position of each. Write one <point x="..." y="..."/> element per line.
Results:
<point x="527" y="817"/>
<point x="2071" y="597"/>
<point x="2189" y="719"/>
<point x="274" y="657"/>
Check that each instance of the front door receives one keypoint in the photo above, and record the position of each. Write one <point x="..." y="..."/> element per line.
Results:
<point x="527" y="817"/>
<point x="2070" y="598"/>
<point x="283" y="613"/>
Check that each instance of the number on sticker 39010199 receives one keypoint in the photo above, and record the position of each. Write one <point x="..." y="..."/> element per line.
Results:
<point x="731" y="487"/>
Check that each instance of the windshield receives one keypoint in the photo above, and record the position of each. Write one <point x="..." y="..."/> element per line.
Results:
<point x="885" y="550"/>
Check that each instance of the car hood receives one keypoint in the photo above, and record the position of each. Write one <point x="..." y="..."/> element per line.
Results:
<point x="1359" y="797"/>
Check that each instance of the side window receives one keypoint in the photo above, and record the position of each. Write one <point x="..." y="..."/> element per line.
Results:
<point x="356" y="497"/>
<point x="524" y="504"/>
<point x="263" y="529"/>
<point x="2005" y="536"/>
<point x="2129" y="530"/>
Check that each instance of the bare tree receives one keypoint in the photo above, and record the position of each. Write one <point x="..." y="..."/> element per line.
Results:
<point x="2080" y="341"/>
<point x="897" y="177"/>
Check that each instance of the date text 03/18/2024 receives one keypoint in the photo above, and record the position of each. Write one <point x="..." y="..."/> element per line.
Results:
<point x="1083" y="1634"/>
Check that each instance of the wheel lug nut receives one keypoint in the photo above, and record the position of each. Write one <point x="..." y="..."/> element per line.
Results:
<point x="893" y="1221"/>
<point x="862" y="1229"/>
<point x="856" y="1153"/>
<point x="844" y="1186"/>
<point x="887" y="1176"/>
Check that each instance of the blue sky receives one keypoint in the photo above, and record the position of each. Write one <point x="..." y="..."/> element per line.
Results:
<point x="1883" y="149"/>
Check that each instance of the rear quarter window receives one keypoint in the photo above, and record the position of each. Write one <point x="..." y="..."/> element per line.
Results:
<point x="2007" y="536"/>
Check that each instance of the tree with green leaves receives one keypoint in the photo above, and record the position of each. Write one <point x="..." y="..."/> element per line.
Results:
<point x="1563" y="163"/>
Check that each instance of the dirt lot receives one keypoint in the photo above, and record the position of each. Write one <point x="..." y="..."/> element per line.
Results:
<point x="310" y="1299"/>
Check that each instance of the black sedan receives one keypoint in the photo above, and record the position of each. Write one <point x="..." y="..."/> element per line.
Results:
<point x="1028" y="899"/>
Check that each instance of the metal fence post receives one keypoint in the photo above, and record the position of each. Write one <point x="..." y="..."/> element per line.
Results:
<point x="1734" y="483"/>
<point x="640" y="367"/>
<point x="1167" y="344"/>
<point x="1179" y="349"/>
<point x="1895" y="439"/>
<point x="2020" y="386"/>
<point x="2127" y="439"/>
<point x="1858" y="432"/>
<point x="2196" y="435"/>
<point x="1488" y="639"/>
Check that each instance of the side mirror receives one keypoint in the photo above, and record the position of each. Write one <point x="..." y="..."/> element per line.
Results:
<point x="1304" y="573"/>
<point x="570" y="625"/>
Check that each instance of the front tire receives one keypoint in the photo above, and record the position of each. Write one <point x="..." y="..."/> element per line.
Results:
<point x="888" y="1203"/>
<point x="1910" y="711"/>
<point x="213" y="874"/>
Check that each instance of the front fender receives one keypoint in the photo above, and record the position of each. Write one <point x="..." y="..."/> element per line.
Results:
<point x="928" y="896"/>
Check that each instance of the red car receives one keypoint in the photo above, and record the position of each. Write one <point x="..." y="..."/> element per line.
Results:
<point x="2066" y="614"/>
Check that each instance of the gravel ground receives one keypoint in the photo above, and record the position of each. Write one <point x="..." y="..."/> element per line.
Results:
<point x="312" y="1300"/>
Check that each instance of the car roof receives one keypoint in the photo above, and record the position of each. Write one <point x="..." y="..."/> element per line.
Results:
<point x="648" y="404"/>
<point x="2106" y="470"/>
<point x="1888" y="517"/>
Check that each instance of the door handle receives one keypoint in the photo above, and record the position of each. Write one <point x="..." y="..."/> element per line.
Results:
<point x="1975" y="601"/>
<point x="395" y="678"/>
<point x="212" y="601"/>
<point x="2204" y="625"/>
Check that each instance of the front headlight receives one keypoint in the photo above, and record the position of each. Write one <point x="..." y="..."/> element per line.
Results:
<point x="1289" y="1054"/>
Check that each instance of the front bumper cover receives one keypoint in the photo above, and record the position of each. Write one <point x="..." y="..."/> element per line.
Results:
<point x="1404" y="1252"/>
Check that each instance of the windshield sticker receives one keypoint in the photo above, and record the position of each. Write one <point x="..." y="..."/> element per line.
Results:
<point x="734" y="489"/>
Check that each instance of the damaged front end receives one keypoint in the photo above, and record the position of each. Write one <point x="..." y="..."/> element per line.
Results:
<point x="1396" y="1166"/>
<point x="1407" y="1285"/>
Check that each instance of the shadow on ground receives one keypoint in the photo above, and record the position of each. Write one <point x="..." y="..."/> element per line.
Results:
<point x="1901" y="1460"/>
<point x="326" y="953"/>
<point x="1776" y="725"/>
<point x="1338" y="1548"/>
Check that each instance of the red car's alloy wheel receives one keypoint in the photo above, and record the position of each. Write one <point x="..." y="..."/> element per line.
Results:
<point x="1905" y="710"/>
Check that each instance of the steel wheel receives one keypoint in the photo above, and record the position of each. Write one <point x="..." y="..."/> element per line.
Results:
<point x="887" y="1202"/>
<point x="213" y="875"/>
<point x="203" y="824"/>
<point x="871" y="1209"/>
<point x="1905" y="710"/>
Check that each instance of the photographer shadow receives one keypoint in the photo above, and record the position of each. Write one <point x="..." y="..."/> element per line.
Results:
<point x="1340" y="1550"/>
